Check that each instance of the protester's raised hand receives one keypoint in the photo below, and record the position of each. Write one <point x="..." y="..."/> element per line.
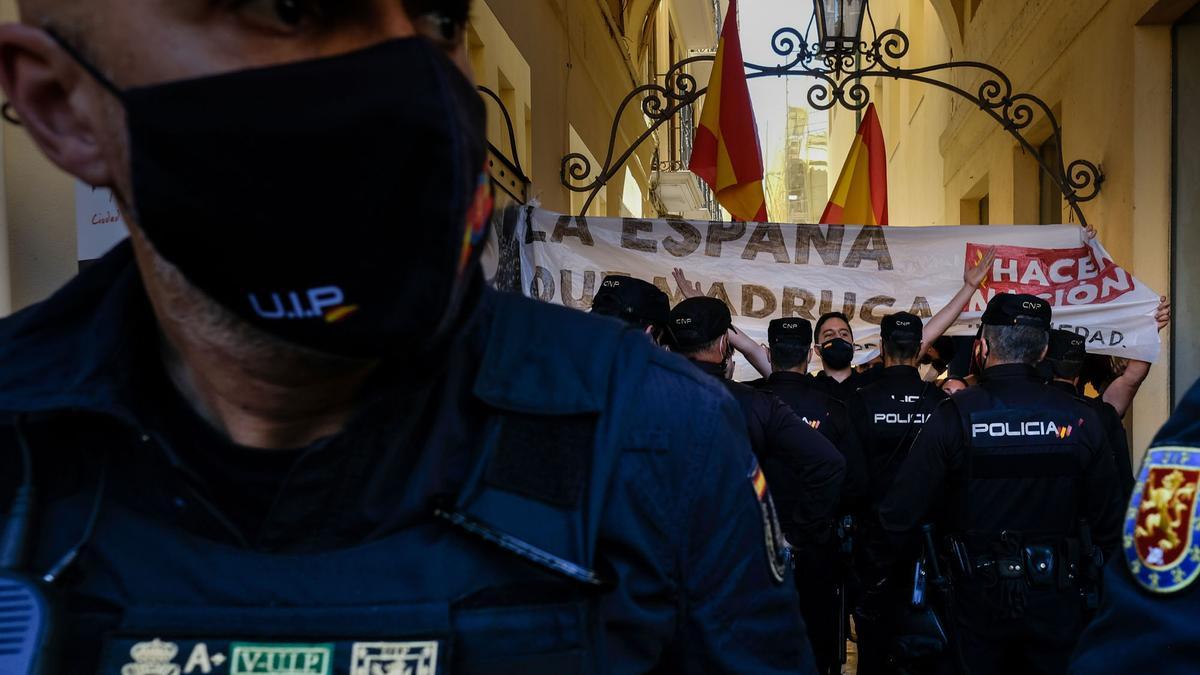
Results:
<point x="686" y="287"/>
<point x="979" y="271"/>
<point x="1090" y="232"/>
<point x="1162" y="315"/>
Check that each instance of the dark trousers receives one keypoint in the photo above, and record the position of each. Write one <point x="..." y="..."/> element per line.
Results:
<point x="1039" y="642"/>
<point x="817" y="581"/>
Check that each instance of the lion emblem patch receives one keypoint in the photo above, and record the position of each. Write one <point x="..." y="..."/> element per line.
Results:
<point x="1161" y="525"/>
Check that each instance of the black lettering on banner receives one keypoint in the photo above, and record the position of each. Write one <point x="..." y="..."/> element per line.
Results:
<point x="567" y="284"/>
<point x="542" y="286"/>
<point x="1091" y="336"/>
<point x="871" y="244"/>
<point x="722" y="232"/>
<point x="849" y="302"/>
<point x="691" y="238"/>
<point x="718" y="291"/>
<point x="766" y="238"/>
<point x="868" y="309"/>
<point x="828" y="245"/>
<point x="533" y="234"/>
<point x="629" y="235"/>
<point x="675" y="296"/>
<point x="568" y="226"/>
<point x="798" y="302"/>
<point x="920" y="307"/>
<point x="752" y="291"/>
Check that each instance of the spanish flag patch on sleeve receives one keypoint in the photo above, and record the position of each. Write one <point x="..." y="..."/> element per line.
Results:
<point x="779" y="553"/>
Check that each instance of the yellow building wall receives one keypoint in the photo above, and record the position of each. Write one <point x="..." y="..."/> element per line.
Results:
<point x="37" y="216"/>
<point x="581" y="67"/>
<point x="561" y="67"/>
<point x="1108" y="81"/>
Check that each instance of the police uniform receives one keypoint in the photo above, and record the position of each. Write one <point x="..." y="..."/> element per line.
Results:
<point x="1022" y="467"/>
<point x="636" y="302"/>
<point x="805" y="471"/>
<point x="528" y="502"/>
<point x="888" y="414"/>
<point x="1064" y="359"/>
<point x="821" y="567"/>
<point x="1150" y="617"/>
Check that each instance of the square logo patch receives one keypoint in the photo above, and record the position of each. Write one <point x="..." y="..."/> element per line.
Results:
<point x="394" y="658"/>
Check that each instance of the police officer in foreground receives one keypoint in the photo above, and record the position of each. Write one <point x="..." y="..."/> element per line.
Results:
<point x="1150" y="617"/>
<point x="1064" y="361"/>
<point x="639" y="303"/>
<point x="1031" y="502"/>
<point x="286" y="427"/>
<point x="888" y="415"/>
<point x="805" y="471"/>
<point x="821" y="567"/>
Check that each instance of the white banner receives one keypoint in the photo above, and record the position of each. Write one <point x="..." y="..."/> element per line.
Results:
<point x="765" y="271"/>
<point x="98" y="222"/>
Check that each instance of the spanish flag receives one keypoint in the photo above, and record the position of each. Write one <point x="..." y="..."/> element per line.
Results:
<point x="860" y="196"/>
<point x="726" y="153"/>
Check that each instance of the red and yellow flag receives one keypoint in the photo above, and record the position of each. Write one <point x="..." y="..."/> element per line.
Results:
<point x="726" y="153"/>
<point x="860" y="196"/>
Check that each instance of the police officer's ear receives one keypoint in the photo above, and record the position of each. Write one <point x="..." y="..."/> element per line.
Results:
<point x="55" y="100"/>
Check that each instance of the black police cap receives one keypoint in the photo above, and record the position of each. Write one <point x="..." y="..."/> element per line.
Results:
<point x="698" y="321"/>
<point x="790" y="331"/>
<point x="1007" y="309"/>
<point x="1066" y="346"/>
<point x="902" y="327"/>
<point x="633" y="300"/>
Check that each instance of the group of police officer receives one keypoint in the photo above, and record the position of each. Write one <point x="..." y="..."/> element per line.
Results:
<point x="963" y="533"/>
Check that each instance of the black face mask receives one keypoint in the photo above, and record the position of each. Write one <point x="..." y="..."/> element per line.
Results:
<point x="337" y="203"/>
<point x="837" y="354"/>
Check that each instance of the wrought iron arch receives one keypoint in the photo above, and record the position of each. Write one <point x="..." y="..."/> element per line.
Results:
<point x="506" y="171"/>
<point x="839" y="81"/>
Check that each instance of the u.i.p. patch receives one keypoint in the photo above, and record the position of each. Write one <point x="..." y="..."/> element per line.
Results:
<point x="1161" y="524"/>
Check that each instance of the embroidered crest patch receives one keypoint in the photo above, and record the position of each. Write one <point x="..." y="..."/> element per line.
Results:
<point x="778" y="551"/>
<point x="1161" y="525"/>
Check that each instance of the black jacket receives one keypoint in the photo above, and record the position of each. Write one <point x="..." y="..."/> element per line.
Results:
<point x="804" y="470"/>
<point x="828" y="416"/>
<point x="888" y="415"/>
<point x="1027" y="476"/>
<point x="1114" y="430"/>
<point x="553" y="427"/>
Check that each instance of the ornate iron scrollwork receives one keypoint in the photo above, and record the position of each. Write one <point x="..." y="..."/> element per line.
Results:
<point x="840" y="80"/>
<point x="509" y="176"/>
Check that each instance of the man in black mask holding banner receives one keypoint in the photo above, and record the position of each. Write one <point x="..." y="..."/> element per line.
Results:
<point x="835" y="336"/>
<point x="285" y="425"/>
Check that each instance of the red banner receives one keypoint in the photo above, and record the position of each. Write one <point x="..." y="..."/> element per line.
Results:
<point x="1062" y="276"/>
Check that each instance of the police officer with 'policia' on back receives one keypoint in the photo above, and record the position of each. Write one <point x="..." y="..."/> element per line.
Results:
<point x="888" y="415"/>
<point x="1031" y="503"/>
